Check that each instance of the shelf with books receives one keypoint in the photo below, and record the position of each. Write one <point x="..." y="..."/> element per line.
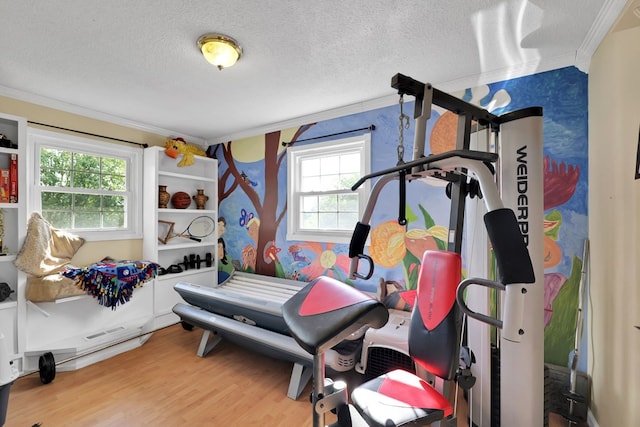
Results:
<point x="12" y="224"/>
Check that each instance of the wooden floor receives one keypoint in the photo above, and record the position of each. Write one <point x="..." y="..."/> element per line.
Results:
<point x="164" y="383"/>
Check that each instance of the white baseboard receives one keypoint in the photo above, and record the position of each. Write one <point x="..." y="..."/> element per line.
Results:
<point x="591" y="420"/>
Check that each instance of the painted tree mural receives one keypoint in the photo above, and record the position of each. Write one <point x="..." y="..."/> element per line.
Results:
<point x="265" y="206"/>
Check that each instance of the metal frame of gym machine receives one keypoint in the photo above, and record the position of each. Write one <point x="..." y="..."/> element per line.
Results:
<point x="517" y="137"/>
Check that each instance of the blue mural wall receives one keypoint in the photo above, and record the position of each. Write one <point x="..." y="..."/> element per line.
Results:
<point x="253" y="185"/>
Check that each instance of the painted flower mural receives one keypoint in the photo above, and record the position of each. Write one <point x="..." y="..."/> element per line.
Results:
<point x="326" y="262"/>
<point x="392" y="245"/>
<point x="560" y="292"/>
<point x="560" y="182"/>
<point x="387" y="244"/>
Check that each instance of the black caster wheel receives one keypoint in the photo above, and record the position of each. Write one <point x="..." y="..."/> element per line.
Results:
<point x="47" y="367"/>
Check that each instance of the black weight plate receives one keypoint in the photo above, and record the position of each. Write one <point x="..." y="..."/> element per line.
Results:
<point x="47" y="366"/>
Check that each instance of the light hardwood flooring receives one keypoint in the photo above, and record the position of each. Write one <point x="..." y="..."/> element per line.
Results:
<point x="163" y="383"/>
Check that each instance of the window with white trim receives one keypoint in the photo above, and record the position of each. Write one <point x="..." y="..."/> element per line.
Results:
<point x="322" y="206"/>
<point x="88" y="187"/>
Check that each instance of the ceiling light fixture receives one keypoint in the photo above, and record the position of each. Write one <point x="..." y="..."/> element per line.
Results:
<point x="219" y="50"/>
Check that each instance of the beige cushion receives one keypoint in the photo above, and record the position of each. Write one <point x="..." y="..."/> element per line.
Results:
<point x="50" y="288"/>
<point x="46" y="249"/>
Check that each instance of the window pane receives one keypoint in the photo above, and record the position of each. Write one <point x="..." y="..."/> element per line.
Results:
<point x="328" y="203"/>
<point x="87" y="220"/>
<point x="347" y="220"/>
<point x="55" y="177"/>
<point x="114" y="182"/>
<point x="55" y="201"/>
<point x="114" y="174"/>
<point x="86" y="180"/>
<point x="87" y="202"/>
<point x="55" y="159"/>
<point x="86" y="162"/>
<point x="310" y="204"/>
<point x="329" y="182"/>
<point x="58" y="219"/>
<point x="350" y="163"/>
<point x="348" y="203"/>
<point x="113" y="220"/>
<point x="311" y="183"/>
<point x="310" y="167"/>
<point x="113" y="203"/>
<point x="330" y="165"/>
<point x="347" y="180"/>
<point x="114" y="166"/>
<point x="328" y="220"/>
<point x="309" y="220"/>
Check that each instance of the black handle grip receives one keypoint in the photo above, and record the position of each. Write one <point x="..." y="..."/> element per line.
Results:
<point x="370" y="273"/>
<point x="358" y="239"/>
<point x="402" y="204"/>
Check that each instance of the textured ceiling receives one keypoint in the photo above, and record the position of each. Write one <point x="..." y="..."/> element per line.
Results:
<point x="138" y="60"/>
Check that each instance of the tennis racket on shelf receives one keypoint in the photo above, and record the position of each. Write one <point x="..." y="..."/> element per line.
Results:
<point x="199" y="228"/>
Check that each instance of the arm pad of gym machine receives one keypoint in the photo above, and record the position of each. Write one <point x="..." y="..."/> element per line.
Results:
<point x="512" y="255"/>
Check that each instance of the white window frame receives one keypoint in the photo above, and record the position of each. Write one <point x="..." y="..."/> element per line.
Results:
<point x="295" y="155"/>
<point x="131" y="155"/>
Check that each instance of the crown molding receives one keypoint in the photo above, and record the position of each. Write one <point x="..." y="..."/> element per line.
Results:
<point x="509" y="73"/>
<point x="93" y="114"/>
<point x="603" y="23"/>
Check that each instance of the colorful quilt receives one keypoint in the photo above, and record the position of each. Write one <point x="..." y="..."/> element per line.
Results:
<point x="112" y="282"/>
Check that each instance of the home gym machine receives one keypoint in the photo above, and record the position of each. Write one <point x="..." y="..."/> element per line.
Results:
<point x="514" y="228"/>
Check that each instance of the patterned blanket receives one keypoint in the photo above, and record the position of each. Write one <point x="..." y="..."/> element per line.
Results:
<point x="112" y="282"/>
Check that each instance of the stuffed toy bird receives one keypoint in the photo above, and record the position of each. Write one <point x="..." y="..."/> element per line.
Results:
<point x="177" y="146"/>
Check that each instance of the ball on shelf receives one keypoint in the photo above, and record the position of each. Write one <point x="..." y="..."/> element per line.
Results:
<point x="180" y="200"/>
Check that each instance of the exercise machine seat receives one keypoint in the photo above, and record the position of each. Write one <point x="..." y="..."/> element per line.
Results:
<point x="399" y="397"/>
<point x="327" y="311"/>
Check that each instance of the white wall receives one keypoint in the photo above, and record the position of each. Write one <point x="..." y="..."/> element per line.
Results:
<point x="614" y="229"/>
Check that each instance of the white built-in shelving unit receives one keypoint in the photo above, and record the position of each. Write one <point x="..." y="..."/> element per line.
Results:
<point x="160" y="169"/>
<point x="12" y="230"/>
